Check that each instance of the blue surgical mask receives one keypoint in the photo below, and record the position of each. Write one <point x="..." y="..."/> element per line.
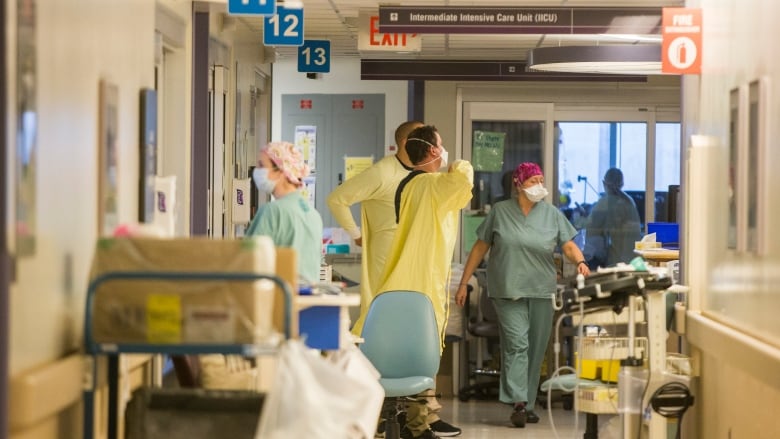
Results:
<point x="263" y="183"/>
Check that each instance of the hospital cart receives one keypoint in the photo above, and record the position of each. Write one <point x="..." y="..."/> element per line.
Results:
<point x="619" y="290"/>
<point x="111" y="351"/>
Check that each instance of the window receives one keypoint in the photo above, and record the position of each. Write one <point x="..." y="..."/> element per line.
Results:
<point x="610" y="222"/>
<point x="586" y="150"/>
<point x="521" y="141"/>
<point x="667" y="171"/>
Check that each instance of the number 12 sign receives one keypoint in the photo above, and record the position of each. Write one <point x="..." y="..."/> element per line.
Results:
<point x="285" y="28"/>
<point x="314" y="56"/>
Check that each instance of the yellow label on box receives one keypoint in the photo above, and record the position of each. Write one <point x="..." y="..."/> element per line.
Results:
<point x="163" y="318"/>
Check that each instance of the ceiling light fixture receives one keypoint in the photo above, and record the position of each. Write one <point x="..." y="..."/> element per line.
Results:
<point x="634" y="59"/>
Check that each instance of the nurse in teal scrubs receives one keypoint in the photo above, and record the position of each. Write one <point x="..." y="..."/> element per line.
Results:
<point x="522" y="234"/>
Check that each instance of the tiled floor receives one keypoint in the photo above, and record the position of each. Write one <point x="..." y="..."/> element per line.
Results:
<point x="490" y="420"/>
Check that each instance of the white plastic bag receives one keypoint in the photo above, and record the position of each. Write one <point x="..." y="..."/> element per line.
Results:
<point x="314" y="397"/>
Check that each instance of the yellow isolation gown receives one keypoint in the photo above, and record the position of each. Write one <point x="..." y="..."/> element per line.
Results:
<point x="420" y="256"/>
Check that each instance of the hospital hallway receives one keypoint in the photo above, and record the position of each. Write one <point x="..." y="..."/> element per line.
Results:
<point x="490" y="420"/>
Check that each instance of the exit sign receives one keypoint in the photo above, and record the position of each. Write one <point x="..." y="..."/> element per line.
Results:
<point x="370" y="39"/>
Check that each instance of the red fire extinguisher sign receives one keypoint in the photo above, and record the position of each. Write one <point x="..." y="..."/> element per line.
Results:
<point x="681" y="49"/>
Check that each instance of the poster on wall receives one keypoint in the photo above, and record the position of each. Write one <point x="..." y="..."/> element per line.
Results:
<point x="26" y="130"/>
<point x="488" y="151"/>
<point x="108" y="209"/>
<point x="355" y="165"/>
<point x="306" y="142"/>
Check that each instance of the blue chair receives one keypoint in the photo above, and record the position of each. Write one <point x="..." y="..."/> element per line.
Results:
<point x="402" y="342"/>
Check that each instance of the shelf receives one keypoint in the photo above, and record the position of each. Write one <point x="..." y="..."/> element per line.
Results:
<point x="249" y="350"/>
<point x="303" y="302"/>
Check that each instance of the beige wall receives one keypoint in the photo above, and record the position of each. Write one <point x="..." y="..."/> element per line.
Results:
<point x="736" y="332"/>
<point x="79" y="42"/>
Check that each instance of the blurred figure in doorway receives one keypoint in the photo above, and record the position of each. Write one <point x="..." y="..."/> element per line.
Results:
<point x="613" y="225"/>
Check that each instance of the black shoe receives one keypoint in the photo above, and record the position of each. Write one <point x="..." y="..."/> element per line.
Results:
<point x="518" y="417"/>
<point x="531" y="417"/>
<point x="444" y="429"/>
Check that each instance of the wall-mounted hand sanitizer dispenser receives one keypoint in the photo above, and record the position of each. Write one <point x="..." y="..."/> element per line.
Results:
<point x="241" y="200"/>
<point x="164" y="204"/>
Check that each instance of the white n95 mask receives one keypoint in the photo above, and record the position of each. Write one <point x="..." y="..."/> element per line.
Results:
<point x="536" y="192"/>
<point x="263" y="183"/>
<point x="444" y="157"/>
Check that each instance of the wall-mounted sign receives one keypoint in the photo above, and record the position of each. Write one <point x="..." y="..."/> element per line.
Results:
<point x="251" y="7"/>
<point x="508" y="20"/>
<point x="314" y="56"/>
<point x="681" y="47"/>
<point x="285" y="28"/>
<point x="370" y="39"/>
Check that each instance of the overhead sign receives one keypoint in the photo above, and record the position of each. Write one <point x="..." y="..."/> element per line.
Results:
<point x="681" y="47"/>
<point x="285" y="28"/>
<point x="370" y="39"/>
<point x="251" y="7"/>
<point x="508" y="20"/>
<point x="314" y="56"/>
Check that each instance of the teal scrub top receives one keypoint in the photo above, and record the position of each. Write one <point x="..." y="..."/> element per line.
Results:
<point x="521" y="260"/>
<point x="291" y="221"/>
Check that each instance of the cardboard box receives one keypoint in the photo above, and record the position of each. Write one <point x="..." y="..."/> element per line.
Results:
<point x="181" y="311"/>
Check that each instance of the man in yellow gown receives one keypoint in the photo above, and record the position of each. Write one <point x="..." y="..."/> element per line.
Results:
<point x="375" y="189"/>
<point x="420" y="255"/>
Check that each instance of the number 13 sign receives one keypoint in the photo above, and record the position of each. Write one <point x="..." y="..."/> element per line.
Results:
<point x="314" y="56"/>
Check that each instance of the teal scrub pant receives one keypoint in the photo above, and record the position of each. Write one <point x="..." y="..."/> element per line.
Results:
<point x="524" y="327"/>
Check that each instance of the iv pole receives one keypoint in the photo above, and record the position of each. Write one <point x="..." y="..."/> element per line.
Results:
<point x="585" y="187"/>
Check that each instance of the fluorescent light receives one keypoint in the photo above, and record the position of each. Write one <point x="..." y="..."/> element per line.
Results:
<point x="656" y="39"/>
<point x="612" y="59"/>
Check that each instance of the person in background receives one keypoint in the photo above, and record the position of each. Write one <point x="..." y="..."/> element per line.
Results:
<point x="506" y="186"/>
<point x="427" y="205"/>
<point x="522" y="234"/>
<point x="613" y="225"/>
<point x="288" y="219"/>
<point x="375" y="189"/>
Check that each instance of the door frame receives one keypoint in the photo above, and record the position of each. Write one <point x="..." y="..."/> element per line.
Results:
<point x="504" y="112"/>
<point x="5" y="258"/>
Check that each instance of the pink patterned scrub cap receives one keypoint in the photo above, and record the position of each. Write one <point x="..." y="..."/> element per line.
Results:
<point x="289" y="160"/>
<point x="524" y="171"/>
